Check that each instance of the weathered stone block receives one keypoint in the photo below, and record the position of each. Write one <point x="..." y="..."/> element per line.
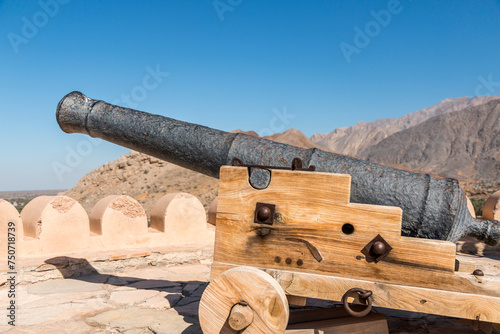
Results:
<point x="182" y="217"/>
<point x="121" y="223"/>
<point x="491" y="208"/>
<point x="59" y="222"/>
<point x="9" y="214"/>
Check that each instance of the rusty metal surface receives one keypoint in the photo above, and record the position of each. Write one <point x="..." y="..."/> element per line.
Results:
<point x="377" y="249"/>
<point x="433" y="208"/>
<point x="260" y="175"/>
<point x="264" y="213"/>
<point x="296" y="165"/>
<point x="478" y="272"/>
<point x="364" y="296"/>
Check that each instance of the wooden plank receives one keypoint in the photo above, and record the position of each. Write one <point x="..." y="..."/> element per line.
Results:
<point x="296" y="300"/>
<point x="409" y="298"/>
<point x="248" y="248"/>
<point x="313" y="198"/>
<point x="484" y="306"/>
<point x="307" y="252"/>
<point x="240" y="230"/>
<point x="465" y="266"/>
<point x="456" y="282"/>
<point x="370" y="324"/>
<point x="235" y="178"/>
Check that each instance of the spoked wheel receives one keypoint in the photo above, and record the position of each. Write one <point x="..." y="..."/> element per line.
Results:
<point x="243" y="299"/>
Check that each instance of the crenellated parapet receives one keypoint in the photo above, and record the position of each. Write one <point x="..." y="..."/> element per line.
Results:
<point x="51" y="226"/>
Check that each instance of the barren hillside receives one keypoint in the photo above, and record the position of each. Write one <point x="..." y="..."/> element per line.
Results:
<point x="352" y="140"/>
<point x="144" y="178"/>
<point x="147" y="179"/>
<point x="462" y="144"/>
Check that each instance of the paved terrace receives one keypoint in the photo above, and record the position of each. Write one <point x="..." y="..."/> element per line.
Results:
<point x="151" y="292"/>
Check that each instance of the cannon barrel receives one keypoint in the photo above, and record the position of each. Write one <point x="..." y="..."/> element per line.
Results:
<point x="433" y="208"/>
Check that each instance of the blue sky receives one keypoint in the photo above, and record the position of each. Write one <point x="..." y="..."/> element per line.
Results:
<point x="229" y="64"/>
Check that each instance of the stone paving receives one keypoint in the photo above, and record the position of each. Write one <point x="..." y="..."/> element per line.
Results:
<point x="149" y="299"/>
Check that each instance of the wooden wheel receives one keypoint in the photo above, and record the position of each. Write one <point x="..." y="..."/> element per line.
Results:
<point x="246" y="299"/>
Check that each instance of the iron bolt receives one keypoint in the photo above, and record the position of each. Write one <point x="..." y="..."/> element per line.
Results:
<point x="264" y="213"/>
<point x="288" y="260"/>
<point x="378" y="248"/>
<point x="478" y="272"/>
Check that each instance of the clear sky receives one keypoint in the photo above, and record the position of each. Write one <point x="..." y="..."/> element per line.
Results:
<point x="229" y="64"/>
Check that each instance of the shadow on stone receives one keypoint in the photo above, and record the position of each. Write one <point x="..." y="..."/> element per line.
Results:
<point x="70" y="267"/>
<point x="471" y="246"/>
<point x="182" y="296"/>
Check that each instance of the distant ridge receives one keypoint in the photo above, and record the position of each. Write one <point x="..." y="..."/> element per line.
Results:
<point x="250" y="133"/>
<point x="463" y="144"/>
<point x="30" y="194"/>
<point x="352" y="140"/>
<point x="293" y="137"/>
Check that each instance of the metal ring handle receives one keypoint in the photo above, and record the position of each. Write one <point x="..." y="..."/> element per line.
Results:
<point x="365" y="295"/>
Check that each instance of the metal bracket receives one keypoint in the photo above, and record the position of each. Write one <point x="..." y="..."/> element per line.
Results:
<point x="264" y="213"/>
<point x="313" y="249"/>
<point x="259" y="176"/>
<point x="296" y="165"/>
<point x="377" y="249"/>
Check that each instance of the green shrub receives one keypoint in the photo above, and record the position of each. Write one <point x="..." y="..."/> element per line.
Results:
<point x="478" y="204"/>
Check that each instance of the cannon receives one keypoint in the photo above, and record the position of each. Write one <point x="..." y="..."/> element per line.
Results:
<point x="433" y="208"/>
<point x="295" y="223"/>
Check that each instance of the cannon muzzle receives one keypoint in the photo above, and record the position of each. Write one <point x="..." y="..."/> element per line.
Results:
<point x="433" y="208"/>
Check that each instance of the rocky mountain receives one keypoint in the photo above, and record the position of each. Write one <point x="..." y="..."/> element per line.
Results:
<point x="250" y="133"/>
<point x="352" y="140"/>
<point x="464" y="144"/>
<point x="293" y="137"/>
<point x="144" y="178"/>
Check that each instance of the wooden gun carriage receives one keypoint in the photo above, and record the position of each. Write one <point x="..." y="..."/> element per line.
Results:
<point x="300" y="237"/>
